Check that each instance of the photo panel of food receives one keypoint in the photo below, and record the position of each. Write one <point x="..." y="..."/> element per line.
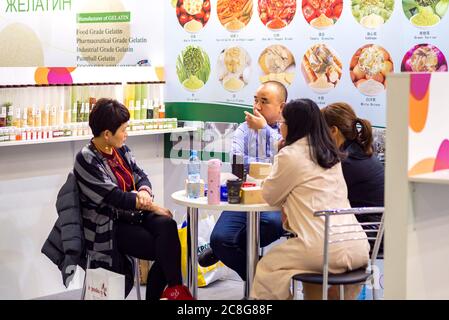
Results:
<point x="193" y="14"/>
<point x="424" y="58"/>
<point x="277" y="63"/>
<point x="424" y="13"/>
<point x="276" y="14"/>
<point x="321" y="68"/>
<point x="234" y="68"/>
<point x="234" y="15"/>
<point x="368" y="68"/>
<point x="193" y="68"/>
<point x="322" y="14"/>
<point x="372" y="13"/>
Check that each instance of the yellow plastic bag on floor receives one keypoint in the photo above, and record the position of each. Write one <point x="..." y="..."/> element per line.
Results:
<point x="209" y="274"/>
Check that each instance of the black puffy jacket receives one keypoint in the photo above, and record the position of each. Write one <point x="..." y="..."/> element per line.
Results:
<point x="65" y="243"/>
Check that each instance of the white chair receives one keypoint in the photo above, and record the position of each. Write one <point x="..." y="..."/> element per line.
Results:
<point x="354" y="276"/>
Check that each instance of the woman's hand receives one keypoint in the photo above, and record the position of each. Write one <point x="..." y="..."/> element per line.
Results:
<point x="283" y="216"/>
<point x="160" y="210"/>
<point x="143" y="200"/>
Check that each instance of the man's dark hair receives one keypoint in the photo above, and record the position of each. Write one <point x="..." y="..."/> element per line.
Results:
<point x="304" y="119"/>
<point x="107" y="114"/>
<point x="281" y="89"/>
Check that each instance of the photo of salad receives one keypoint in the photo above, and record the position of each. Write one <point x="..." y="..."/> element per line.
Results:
<point x="322" y="14"/>
<point x="321" y="68"/>
<point x="276" y="14"/>
<point x="368" y="68"/>
<point x="193" y="68"/>
<point x="234" y="15"/>
<point x="234" y="68"/>
<point x="425" y="13"/>
<point x="424" y="58"/>
<point x="372" y="13"/>
<point x="277" y="64"/>
<point x="193" y="14"/>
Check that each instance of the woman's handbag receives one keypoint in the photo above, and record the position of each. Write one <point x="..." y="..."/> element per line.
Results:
<point x="130" y="216"/>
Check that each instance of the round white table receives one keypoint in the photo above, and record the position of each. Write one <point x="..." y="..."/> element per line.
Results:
<point x="252" y="235"/>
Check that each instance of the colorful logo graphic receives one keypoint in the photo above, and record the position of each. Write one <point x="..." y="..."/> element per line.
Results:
<point x="57" y="75"/>
<point x="441" y="162"/>
<point x="419" y="101"/>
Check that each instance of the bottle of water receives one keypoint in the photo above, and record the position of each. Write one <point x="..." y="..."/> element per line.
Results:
<point x="193" y="169"/>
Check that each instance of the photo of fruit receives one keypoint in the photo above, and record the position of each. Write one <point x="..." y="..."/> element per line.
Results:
<point x="193" y="68"/>
<point x="372" y="13"/>
<point x="234" y="15"/>
<point x="321" y="68"/>
<point x="193" y="14"/>
<point x="276" y="14"/>
<point x="425" y="13"/>
<point x="368" y="68"/>
<point x="277" y="64"/>
<point x="234" y="68"/>
<point x="322" y="14"/>
<point x="424" y="58"/>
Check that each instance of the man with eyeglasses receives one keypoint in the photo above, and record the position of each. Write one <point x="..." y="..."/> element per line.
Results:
<point x="255" y="140"/>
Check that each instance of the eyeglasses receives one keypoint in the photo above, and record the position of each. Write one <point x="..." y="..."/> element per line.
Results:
<point x="279" y="122"/>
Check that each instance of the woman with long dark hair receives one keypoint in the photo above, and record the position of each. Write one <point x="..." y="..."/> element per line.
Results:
<point x="364" y="173"/>
<point x="306" y="177"/>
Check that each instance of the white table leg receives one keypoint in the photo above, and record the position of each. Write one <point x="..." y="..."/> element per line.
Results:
<point x="192" y="251"/>
<point x="252" y="251"/>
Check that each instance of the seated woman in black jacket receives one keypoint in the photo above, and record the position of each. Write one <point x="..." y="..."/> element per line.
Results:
<point x="363" y="172"/>
<point x="119" y="216"/>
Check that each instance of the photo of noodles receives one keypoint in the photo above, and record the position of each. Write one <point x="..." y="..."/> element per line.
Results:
<point x="234" y="68"/>
<point x="368" y="68"/>
<point x="234" y="15"/>
<point x="277" y="64"/>
<point x="321" y="68"/>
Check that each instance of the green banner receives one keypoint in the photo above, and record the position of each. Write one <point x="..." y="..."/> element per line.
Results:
<point x="103" y="17"/>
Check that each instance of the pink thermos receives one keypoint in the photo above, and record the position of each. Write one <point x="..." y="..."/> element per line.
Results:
<point x="213" y="181"/>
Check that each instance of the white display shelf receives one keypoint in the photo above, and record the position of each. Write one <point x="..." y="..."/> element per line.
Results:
<point x="437" y="177"/>
<point x="80" y="138"/>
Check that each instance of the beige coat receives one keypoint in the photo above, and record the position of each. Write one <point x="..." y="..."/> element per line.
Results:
<point x="300" y="187"/>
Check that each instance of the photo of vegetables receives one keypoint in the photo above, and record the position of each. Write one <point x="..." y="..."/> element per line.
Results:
<point x="372" y="13"/>
<point x="424" y="58"/>
<point x="278" y="64"/>
<point x="234" y="15"/>
<point x="193" y="14"/>
<point x="321" y="68"/>
<point x="276" y="14"/>
<point x="234" y="68"/>
<point x="425" y="13"/>
<point x="193" y="68"/>
<point x="322" y="14"/>
<point x="368" y="68"/>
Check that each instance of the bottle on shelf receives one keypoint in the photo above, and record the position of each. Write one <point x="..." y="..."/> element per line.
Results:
<point x="45" y="115"/>
<point x="193" y="175"/>
<point x="3" y="112"/>
<point x="38" y="118"/>
<point x="137" y="110"/>
<point x="144" y="110"/>
<point x="156" y="109"/>
<point x="53" y="114"/>
<point x="86" y="112"/>
<point x="9" y="116"/>
<point x="162" y="111"/>
<point x="131" y="109"/>
<point x="150" y="110"/>
<point x="16" y="122"/>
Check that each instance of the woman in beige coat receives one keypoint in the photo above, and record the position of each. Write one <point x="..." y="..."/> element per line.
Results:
<point x="306" y="177"/>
